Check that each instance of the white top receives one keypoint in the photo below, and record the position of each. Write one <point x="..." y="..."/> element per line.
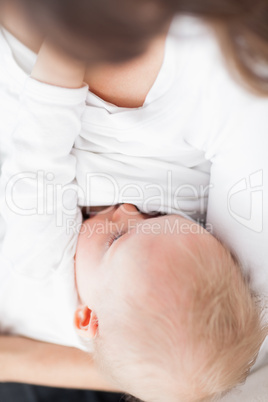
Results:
<point x="198" y="134"/>
<point x="38" y="296"/>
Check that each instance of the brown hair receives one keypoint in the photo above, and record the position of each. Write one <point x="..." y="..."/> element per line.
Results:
<point x="116" y="30"/>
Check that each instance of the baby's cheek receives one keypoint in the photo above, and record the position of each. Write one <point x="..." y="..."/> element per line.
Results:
<point x="81" y="271"/>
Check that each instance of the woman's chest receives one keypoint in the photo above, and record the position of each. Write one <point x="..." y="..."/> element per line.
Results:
<point x="141" y="156"/>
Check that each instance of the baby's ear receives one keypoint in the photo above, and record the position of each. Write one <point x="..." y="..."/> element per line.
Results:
<point x="86" y="322"/>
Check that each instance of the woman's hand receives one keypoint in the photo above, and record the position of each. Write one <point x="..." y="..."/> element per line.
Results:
<point x="55" y="67"/>
<point x="28" y="361"/>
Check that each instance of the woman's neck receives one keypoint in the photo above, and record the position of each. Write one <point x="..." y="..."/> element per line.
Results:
<point x="125" y="85"/>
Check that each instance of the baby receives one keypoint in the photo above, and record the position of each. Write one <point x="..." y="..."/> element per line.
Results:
<point x="164" y="303"/>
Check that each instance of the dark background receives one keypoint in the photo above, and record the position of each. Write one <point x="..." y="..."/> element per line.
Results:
<point x="10" y="392"/>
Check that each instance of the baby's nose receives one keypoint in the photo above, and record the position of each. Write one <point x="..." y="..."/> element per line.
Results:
<point x="125" y="212"/>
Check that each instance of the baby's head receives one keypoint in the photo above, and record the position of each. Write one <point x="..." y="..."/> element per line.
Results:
<point x="169" y="311"/>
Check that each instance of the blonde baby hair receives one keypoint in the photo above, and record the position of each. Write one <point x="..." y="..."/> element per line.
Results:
<point x="190" y="332"/>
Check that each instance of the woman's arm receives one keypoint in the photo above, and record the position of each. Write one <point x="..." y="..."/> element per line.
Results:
<point x="47" y="124"/>
<point x="28" y="361"/>
<point x="234" y="137"/>
<point x="37" y="244"/>
<point x="54" y="67"/>
<point x="37" y="208"/>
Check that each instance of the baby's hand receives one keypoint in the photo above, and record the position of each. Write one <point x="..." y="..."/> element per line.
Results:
<point x="55" y="67"/>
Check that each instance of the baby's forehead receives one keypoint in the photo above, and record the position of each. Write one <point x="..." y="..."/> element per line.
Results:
<point x="149" y="250"/>
<point x="171" y="226"/>
<point x="158" y="241"/>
